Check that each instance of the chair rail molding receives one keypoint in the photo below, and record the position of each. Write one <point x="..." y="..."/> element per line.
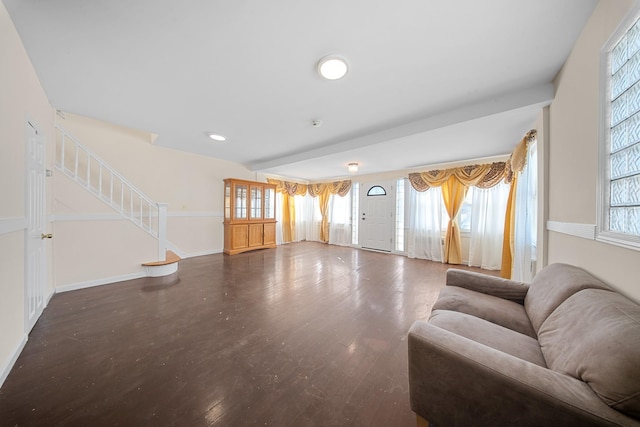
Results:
<point x="10" y="225"/>
<point x="585" y="231"/>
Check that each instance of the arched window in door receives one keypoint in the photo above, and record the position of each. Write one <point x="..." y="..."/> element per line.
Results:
<point x="376" y="190"/>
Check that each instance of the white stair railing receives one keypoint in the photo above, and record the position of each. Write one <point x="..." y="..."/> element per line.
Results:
<point x="94" y="174"/>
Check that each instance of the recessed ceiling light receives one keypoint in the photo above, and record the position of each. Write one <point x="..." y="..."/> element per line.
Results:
<point x="332" y="67"/>
<point x="216" y="137"/>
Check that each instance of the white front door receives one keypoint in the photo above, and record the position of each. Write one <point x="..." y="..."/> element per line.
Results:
<point x="376" y="216"/>
<point x="35" y="205"/>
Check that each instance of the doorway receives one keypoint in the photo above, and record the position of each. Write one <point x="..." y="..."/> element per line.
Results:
<point x="35" y="234"/>
<point x="376" y="216"/>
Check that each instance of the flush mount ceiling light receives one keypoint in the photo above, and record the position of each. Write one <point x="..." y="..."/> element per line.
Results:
<point x="216" y="137"/>
<point x="352" y="167"/>
<point x="332" y="67"/>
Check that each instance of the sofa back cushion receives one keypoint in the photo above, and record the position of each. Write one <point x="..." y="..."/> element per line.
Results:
<point x="594" y="336"/>
<point x="552" y="286"/>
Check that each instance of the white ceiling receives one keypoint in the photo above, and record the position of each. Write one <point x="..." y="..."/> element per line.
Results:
<point x="429" y="81"/>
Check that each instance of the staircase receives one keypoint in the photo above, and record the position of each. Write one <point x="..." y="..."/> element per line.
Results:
<point x="96" y="176"/>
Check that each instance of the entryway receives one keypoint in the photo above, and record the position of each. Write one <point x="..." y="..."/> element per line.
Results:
<point x="376" y="216"/>
<point x="34" y="297"/>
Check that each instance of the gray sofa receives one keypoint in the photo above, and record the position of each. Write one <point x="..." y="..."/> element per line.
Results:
<point x="562" y="351"/>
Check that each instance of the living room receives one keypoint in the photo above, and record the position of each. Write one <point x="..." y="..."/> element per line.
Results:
<point x="568" y="130"/>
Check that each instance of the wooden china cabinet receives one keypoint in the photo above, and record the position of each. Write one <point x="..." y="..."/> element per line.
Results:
<point x="249" y="216"/>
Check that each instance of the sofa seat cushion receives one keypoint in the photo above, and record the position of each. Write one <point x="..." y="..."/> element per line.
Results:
<point x="552" y="286"/>
<point x="594" y="336"/>
<point x="500" y="311"/>
<point x="489" y="334"/>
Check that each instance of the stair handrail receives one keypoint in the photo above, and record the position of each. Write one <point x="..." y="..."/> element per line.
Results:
<point x="157" y="210"/>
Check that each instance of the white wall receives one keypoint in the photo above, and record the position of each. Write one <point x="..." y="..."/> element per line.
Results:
<point x="21" y="99"/>
<point x="573" y="157"/>
<point x="89" y="249"/>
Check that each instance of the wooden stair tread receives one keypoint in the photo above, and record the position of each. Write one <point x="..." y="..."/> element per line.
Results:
<point x="171" y="258"/>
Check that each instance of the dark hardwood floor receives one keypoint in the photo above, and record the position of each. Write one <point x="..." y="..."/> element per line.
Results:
<point x="305" y="334"/>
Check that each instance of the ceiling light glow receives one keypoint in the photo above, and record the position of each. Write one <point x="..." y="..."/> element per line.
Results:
<point x="352" y="167"/>
<point x="216" y="137"/>
<point x="332" y="67"/>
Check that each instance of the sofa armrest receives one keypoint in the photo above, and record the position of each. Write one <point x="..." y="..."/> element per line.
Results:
<point x="490" y="285"/>
<point x="454" y="381"/>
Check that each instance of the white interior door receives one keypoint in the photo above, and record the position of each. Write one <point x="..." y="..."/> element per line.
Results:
<point x="376" y="216"/>
<point x="35" y="204"/>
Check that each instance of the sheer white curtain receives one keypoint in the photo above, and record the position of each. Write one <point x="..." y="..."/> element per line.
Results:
<point x="340" y="220"/>
<point x="279" y="237"/>
<point x="426" y="221"/>
<point x="526" y="224"/>
<point x="308" y="219"/>
<point x="488" y="206"/>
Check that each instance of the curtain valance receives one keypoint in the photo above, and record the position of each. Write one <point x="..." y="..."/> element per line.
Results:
<point x="483" y="176"/>
<point x="289" y="188"/>
<point x="341" y="188"/>
<point x="320" y="190"/>
<point x="518" y="159"/>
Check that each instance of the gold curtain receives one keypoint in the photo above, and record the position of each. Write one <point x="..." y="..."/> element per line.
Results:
<point x="321" y="190"/>
<point x="288" y="218"/>
<point x="455" y="183"/>
<point x="323" y="198"/>
<point x="515" y="165"/>
<point x="315" y="190"/>
<point x="507" y="237"/>
<point x="483" y="176"/>
<point x="324" y="191"/>
<point x="453" y="193"/>
<point x="288" y="190"/>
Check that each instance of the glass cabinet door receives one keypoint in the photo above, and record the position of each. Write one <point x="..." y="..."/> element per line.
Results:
<point x="256" y="202"/>
<point x="241" y="201"/>
<point x="227" y="201"/>
<point x="269" y="203"/>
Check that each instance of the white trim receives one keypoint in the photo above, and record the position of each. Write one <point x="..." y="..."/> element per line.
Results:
<point x="176" y="250"/>
<point x="99" y="282"/>
<point x="202" y="253"/>
<point x="196" y="214"/>
<point x="161" y="270"/>
<point x="622" y="240"/>
<point x="6" y="369"/>
<point x="119" y="217"/>
<point x="10" y="225"/>
<point x="602" y="233"/>
<point x="586" y="231"/>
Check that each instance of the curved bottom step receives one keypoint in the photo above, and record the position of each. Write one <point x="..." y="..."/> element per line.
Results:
<point x="162" y="268"/>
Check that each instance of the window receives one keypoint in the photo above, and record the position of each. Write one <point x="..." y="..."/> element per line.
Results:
<point x="376" y="190"/>
<point x="464" y="214"/>
<point x="355" y="209"/>
<point x="400" y="231"/>
<point x="619" y="220"/>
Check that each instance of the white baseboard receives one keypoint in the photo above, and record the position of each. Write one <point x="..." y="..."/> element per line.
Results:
<point x="203" y="253"/>
<point x="4" y="373"/>
<point x="115" y="279"/>
<point x="99" y="282"/>
<point x="161" y="270"/>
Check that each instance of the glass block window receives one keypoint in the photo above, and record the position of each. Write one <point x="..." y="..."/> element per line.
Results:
<point x="621" y="162"/>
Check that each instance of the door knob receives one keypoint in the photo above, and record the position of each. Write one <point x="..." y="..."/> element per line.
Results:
<point x="46" y="236"/>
